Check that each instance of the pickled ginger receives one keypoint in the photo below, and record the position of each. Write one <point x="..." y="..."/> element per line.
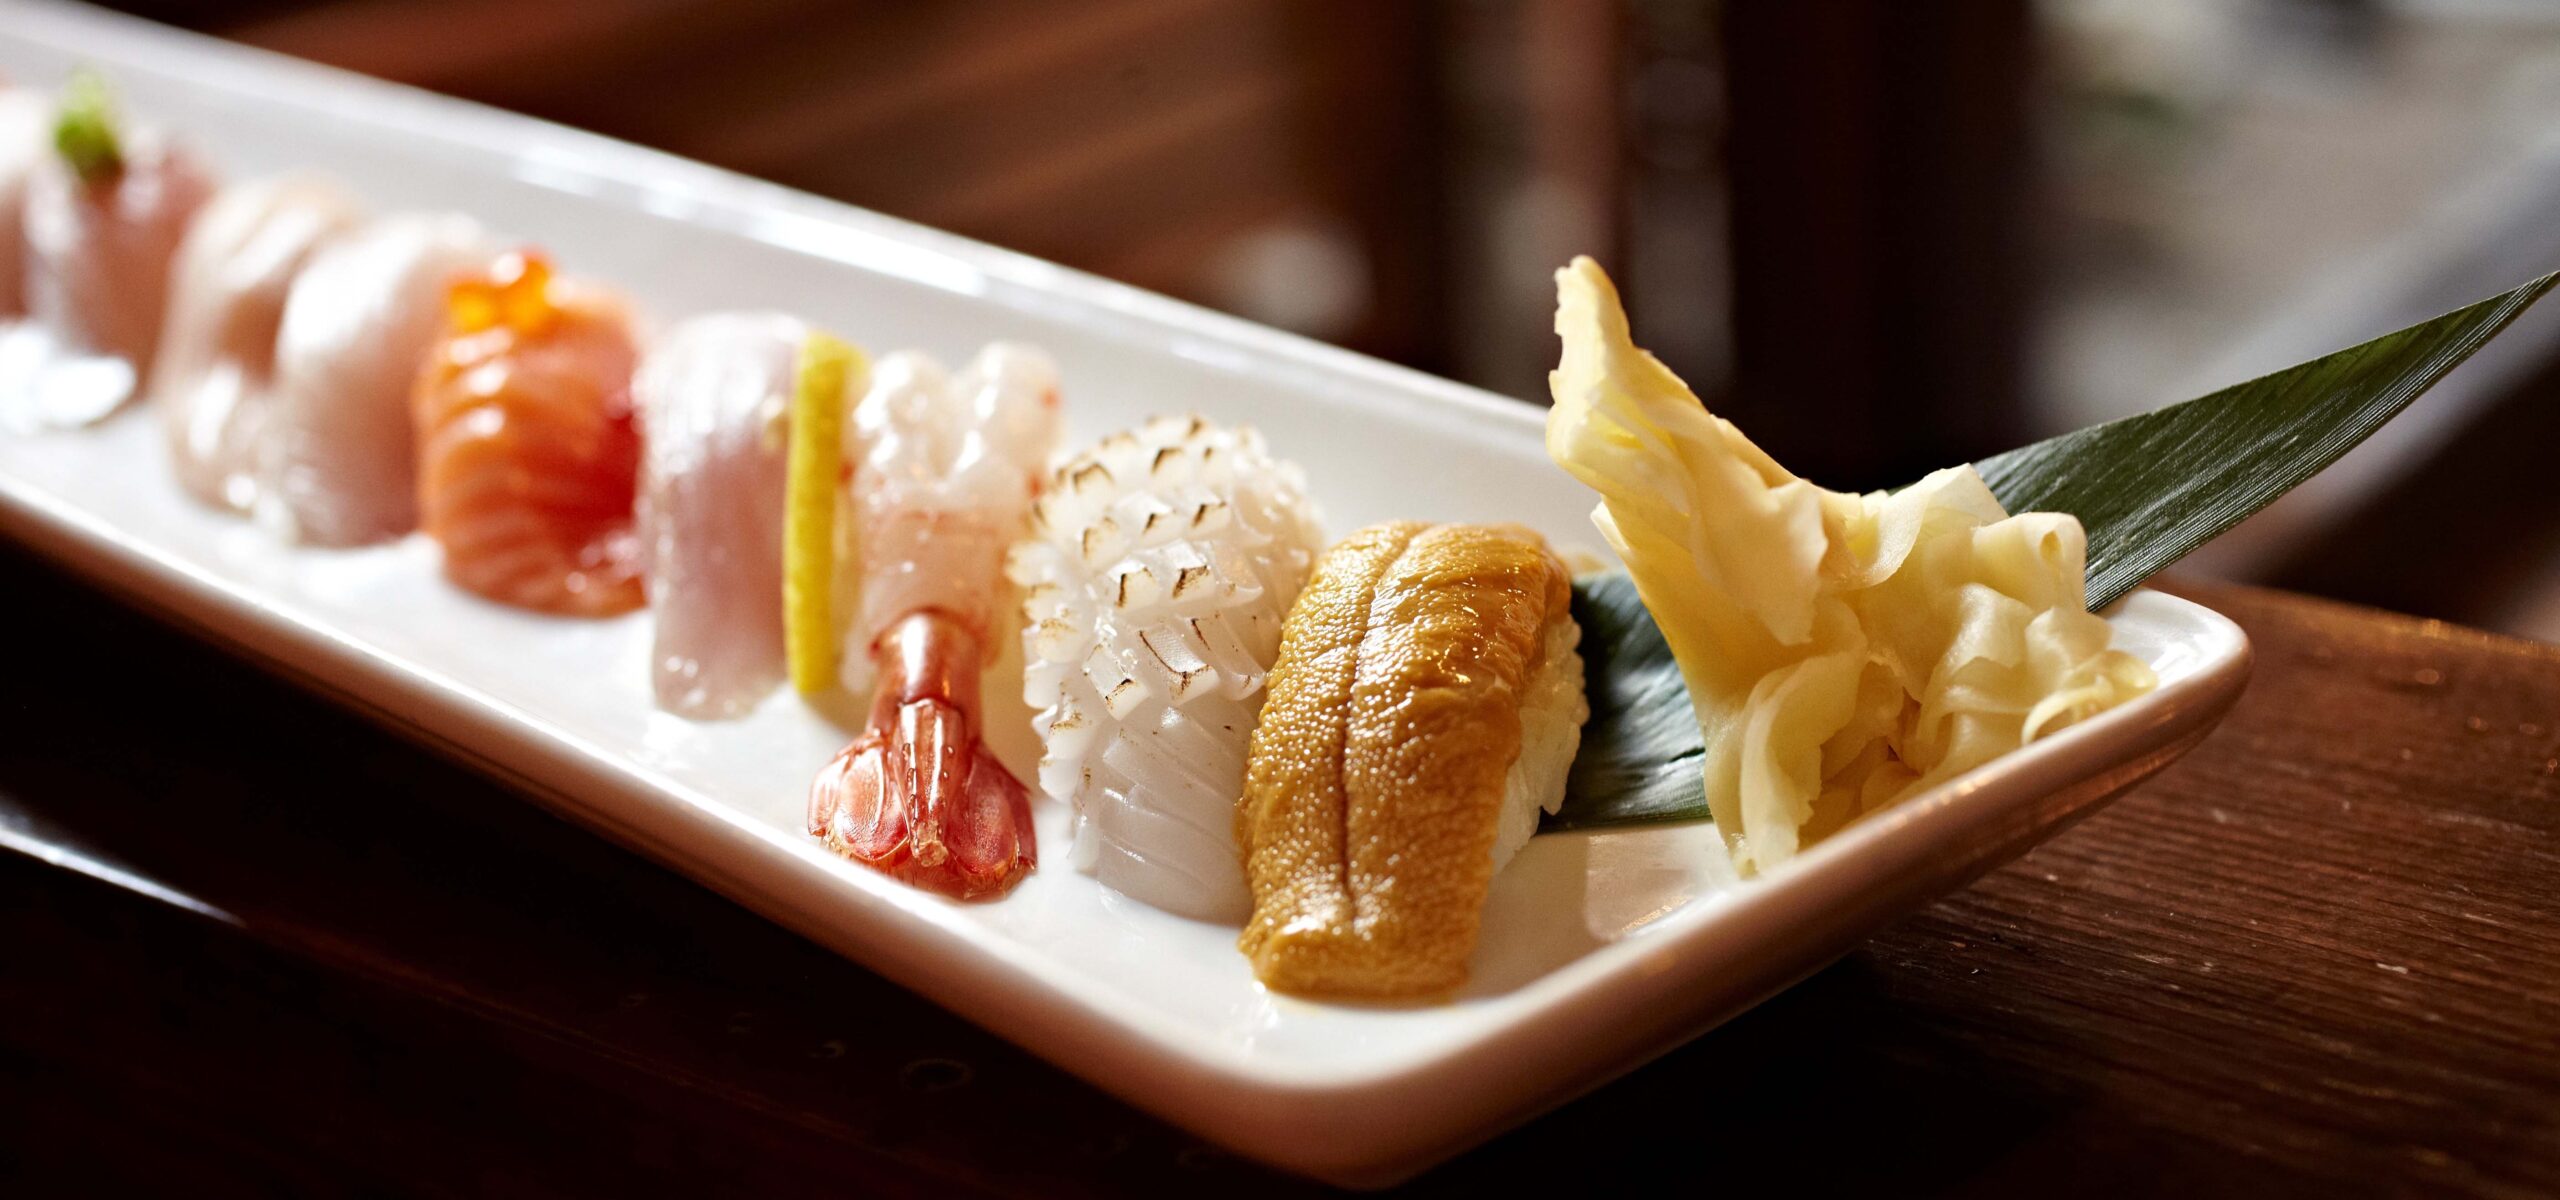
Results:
<point x="1843" y="652"/>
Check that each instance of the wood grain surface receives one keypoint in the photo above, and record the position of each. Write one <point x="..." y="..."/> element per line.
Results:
<point x="251" y="945"/>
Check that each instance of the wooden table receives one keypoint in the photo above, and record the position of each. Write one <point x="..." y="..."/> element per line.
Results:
<point x="249" y="944"/>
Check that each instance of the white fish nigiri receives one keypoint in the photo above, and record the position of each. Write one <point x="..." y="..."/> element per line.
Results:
<point x="212" y="381"/>
<point x="1164" y="563"/>
<point x="22" y="146"/>
<point x="358" y="323"/>
<point x="99" y="253"/>
<point x="714" y="396"/>
<point x="102" y="228"/>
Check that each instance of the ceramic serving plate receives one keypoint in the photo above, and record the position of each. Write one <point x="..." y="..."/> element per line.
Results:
<point x="1599" y="950"/>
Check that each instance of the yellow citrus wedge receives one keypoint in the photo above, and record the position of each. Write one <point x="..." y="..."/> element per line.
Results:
<point x="831" y="373"/>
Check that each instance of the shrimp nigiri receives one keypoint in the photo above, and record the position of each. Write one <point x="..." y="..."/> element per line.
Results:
<point x="945" y="482"/>
<point x="714" y="394"/>
<point x="528" y="449"/>
<point x="216" y="368"/>
<point x="340" y="466"/>
<point x="104" y="215"/>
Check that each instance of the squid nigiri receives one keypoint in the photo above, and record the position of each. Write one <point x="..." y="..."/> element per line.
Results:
<point x="944" y="485"/>
<point x="714" y="394"/>
<point x="1425" y="707"/>
<point x="340" y="465"/>
<point x="1165" y="560"/>
<point x="104" y="215"/>
<point x="213" y="382"/>
<point x="528" y="448"/>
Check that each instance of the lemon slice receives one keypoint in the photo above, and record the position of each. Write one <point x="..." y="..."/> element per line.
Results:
<point x="831" y="372"/>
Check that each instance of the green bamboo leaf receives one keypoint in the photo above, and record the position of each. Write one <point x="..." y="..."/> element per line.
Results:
<point x="1640" y="749"/>
<point x="2151" y="488"/>
<point x="2148" y="489"/>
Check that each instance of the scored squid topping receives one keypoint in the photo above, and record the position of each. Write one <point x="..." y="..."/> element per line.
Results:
<point x="1166" y="558"/>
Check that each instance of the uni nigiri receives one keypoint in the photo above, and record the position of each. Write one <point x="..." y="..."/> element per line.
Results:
<point x="528" y="450"/>
<point x="215" y="375"/>
<point x="1165" y="560"/>
<point x="1426" y="704"/>
<point x="714" y="394"/>
<point x="943" y="486"/>
<point x="104" y="215"/>
<point x="340" y="466"/>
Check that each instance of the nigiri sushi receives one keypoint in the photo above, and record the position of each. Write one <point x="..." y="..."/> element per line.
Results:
<point x="23" y="112"/>
<point x="943" y="486"/>
<point x="714" y="394"/>
<point x="340" y="465"/>
<point x="1426" y="704"/>
<point x="1165" y="560"/>
<point x="528" y="450"/>
<point x="213" y="381"/>
<point x="104" y="215"/>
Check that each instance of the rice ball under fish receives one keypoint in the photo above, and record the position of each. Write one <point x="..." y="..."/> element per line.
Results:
<point x="1163" y="564"/>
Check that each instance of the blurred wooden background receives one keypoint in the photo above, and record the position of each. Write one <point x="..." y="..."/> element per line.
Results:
<point x="1880" y="236"/>
<point x="1166" y="143"/>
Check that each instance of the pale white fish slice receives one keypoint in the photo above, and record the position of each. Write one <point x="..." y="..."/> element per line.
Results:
<point x="341" y="460"/>
<point x="214" y="379"/>
<point x="714" y="397"/>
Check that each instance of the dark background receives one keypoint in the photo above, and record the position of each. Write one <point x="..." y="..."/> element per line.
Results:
<point x="1881" y="236"/>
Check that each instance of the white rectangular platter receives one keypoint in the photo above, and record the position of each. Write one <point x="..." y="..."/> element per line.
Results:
<point x="1599" y="950"/>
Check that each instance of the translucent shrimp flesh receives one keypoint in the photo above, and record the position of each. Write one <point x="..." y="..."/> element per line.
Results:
<point x="945" y="472"/>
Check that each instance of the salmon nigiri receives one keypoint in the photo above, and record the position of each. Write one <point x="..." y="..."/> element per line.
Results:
<point x="528" y="447"/>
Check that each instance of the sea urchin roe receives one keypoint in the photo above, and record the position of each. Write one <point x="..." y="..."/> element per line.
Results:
<point x="1374" y="796"/>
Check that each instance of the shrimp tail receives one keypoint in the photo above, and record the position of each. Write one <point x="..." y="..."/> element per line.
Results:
<point x="918" y="796"/>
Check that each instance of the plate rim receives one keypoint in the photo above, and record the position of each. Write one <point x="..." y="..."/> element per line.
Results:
<point x="1221" y="1097"/>
<point x="1217" y="1095"/>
